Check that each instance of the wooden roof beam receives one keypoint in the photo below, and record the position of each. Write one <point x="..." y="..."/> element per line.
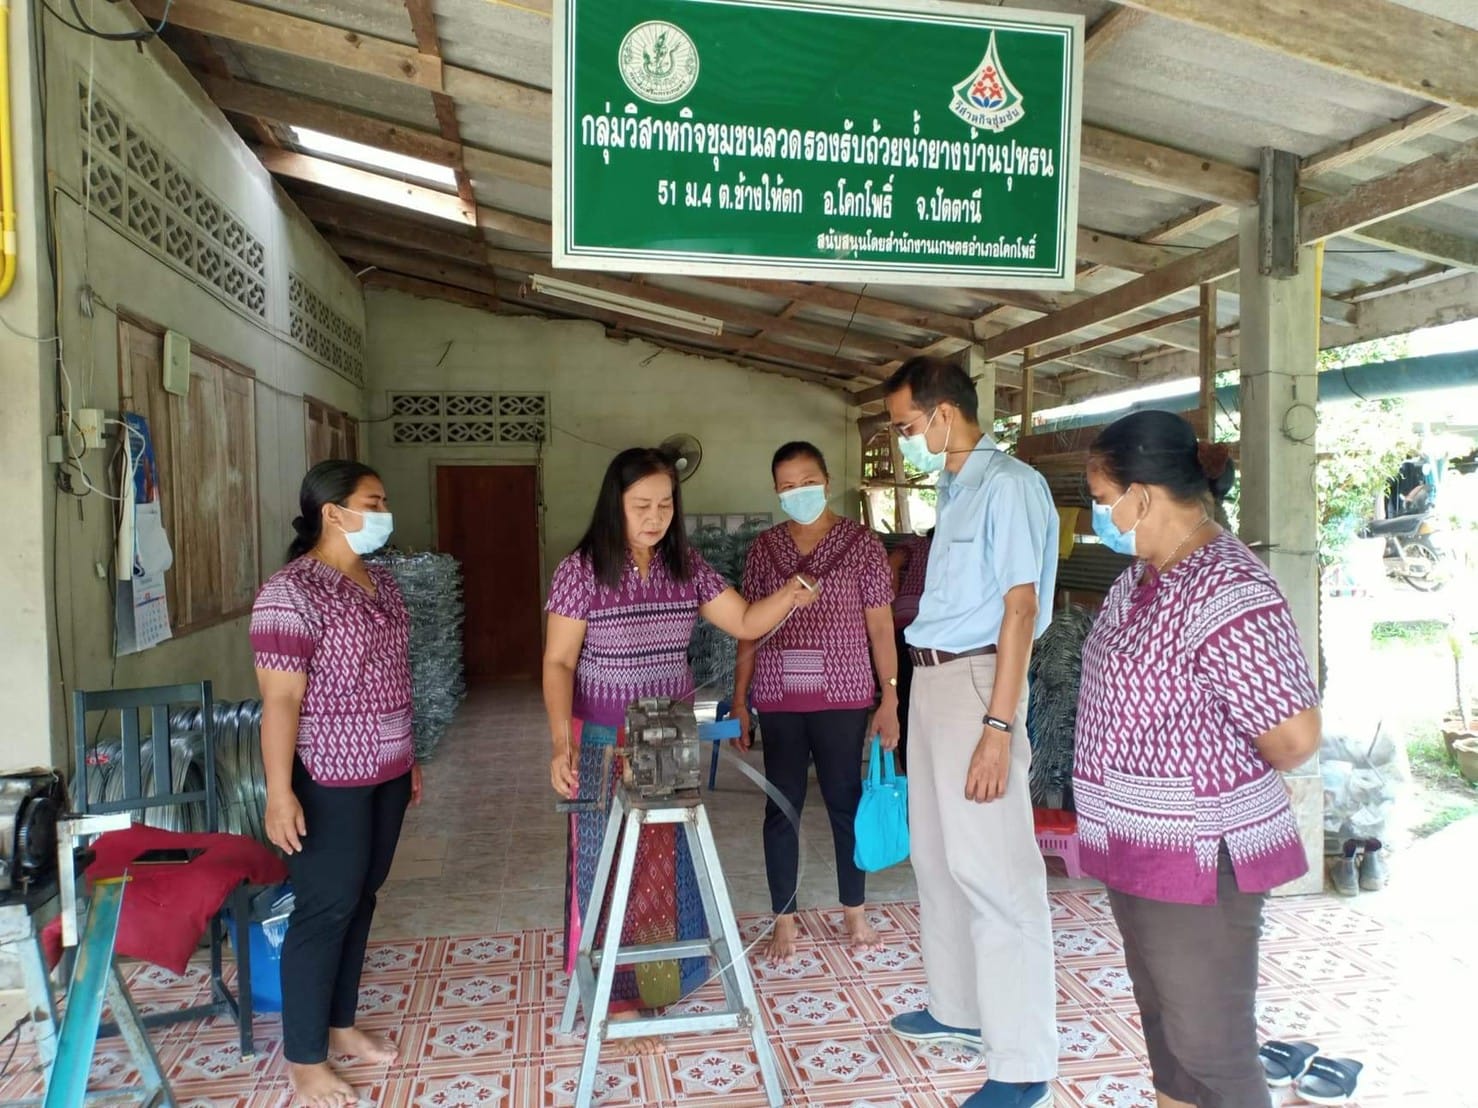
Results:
<point x="1374" y="40"/>
<point x="735" y="314"/>
<point x="388" y="190"/>
<point x="497" y="295"/>
<point x="377" y="57"/>
<point x="1424" y="182"/>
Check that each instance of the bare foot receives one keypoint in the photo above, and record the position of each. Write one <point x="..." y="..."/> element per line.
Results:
<point x="364" y="1045"/>
<point x="861" y="935"/>
<point x="783" y="941"/>
<point x="320" y="1087"/>
<point x="647" y="1044"/>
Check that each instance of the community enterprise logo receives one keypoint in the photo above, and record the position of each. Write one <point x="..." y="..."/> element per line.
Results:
<point x="987" y="99"/>
<point x="659" y="62"/>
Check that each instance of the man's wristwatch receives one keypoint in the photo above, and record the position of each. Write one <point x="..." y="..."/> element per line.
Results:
<point x="997" y="724"/>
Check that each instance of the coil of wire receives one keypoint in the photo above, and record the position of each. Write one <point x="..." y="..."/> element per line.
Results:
<point x="240" y="782"/>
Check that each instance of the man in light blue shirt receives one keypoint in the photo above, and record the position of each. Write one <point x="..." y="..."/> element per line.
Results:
<point x="985" y="923"/>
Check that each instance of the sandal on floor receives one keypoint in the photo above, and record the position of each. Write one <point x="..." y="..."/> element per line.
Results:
<point x="1330" y="1081"/>
<point x="1284" y="1063"/>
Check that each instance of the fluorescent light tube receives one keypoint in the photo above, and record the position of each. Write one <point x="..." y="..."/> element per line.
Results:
<point x="626" y="305"/>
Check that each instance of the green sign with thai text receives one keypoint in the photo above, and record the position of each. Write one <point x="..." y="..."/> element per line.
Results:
<point x="818" y="140"/>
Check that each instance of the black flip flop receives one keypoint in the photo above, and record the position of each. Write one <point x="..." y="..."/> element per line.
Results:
<point x="1284" y="1063"/>
<point x="1330" y="1081"/>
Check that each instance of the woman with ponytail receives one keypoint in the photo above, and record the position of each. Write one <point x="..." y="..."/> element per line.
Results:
<point x="331" y="639"/>
<point x="1195" y="692"/>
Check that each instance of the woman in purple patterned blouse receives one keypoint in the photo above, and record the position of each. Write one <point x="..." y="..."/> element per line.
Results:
<point x="621" y="614"/>
<point x="332" y="642"/>
<point x="813" y="682"/>
<point x="1195" y="693"/>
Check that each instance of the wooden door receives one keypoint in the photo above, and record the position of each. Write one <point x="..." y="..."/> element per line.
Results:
<point x="487" y="517"/>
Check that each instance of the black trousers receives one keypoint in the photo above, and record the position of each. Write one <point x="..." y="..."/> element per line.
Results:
<point x="346" y="856"/>
<point x="834" y="740"/>
<point x="1194" y="969"/>
<point x="905" y="685"/>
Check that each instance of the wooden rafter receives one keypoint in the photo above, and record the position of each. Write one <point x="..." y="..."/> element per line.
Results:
<point x="1109" y="30"/>
<point x="1421" y="183"/>
<point x="371" y="186"/>
<point x="417" y="198"/>
<point x="307" y="38"/>
<point x="358" y="222"/>
<point x="292" y="110"/>
<point x="1374" y="40"/>
<point x="428" y="40"/>
<point x="1148" y="326"/>
<point x="402" y="259"/>
<point x="509" y="295"/>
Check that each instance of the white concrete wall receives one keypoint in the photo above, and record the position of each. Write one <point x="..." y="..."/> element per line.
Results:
<point x="155" y="93"/>
<point x="604" y="396"/>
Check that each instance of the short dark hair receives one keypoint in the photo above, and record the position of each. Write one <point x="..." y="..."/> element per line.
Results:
<point x="331" y="482"/>
<point x="1160" y="448"/>
<point x="793" y="450"/>
<point x="605" y="543"/>
<point x="933" y="381"/>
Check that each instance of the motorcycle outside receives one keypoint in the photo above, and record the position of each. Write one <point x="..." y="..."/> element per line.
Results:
<point x="1410" y="554"/>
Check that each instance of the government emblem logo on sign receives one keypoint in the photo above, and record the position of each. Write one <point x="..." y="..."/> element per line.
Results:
<point x="659" y="62"/>
<point x="987" y="99"/>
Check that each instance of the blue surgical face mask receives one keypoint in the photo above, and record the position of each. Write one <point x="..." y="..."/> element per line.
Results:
<point x="1120" y="542"/>
<point x="372" y="534"/>
<point x="805" y="504"/>
<point x="916" y="452"/>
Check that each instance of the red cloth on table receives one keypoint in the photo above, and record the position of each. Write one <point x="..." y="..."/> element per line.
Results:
<point x="166" y="909"/>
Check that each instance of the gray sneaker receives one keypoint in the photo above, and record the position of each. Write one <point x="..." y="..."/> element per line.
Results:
<point x="1345" y="872"/>
<point x="1373" y="872"/>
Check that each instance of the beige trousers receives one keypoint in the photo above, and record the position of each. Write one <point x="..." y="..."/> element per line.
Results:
<point x="985" y="922"/>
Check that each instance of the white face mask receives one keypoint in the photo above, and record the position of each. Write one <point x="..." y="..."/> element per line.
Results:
<point x="916" y="452"/>
<point x="373" y="533"/>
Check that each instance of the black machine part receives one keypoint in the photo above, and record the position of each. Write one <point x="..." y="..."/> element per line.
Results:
<point x="31" y="805"/>
<point x="663" y="749"/>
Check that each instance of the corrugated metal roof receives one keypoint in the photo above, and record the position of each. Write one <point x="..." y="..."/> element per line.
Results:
<point x="1161" y="81"/>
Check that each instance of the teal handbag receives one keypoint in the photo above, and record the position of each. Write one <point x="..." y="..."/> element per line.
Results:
<point x="882" y="815"/>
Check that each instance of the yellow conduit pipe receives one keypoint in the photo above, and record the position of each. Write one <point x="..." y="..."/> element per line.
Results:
<point x="8" y="242"/>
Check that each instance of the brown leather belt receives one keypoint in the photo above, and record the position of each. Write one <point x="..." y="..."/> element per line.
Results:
<point x="939" y="657"/>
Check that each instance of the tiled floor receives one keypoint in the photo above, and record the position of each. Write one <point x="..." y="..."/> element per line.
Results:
<point x="465" y="973"/>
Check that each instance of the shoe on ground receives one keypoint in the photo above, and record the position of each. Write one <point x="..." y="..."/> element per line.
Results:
<point x="1010" y="1094"/>
<point x="1345" y="872"/>
<point x="1373" y="871"/>
<point x="921" y="1027"/>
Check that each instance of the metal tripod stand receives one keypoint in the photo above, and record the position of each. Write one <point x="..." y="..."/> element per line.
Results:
<point x="595" y="971"/>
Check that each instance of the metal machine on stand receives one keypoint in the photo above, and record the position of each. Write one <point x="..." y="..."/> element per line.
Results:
<point x="659" y="785"/>
<point x="65" y="1047"/>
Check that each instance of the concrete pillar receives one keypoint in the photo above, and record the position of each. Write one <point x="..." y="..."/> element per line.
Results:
<point x="1279" y="511"/>
<point x="29" y="691"/>
<point x="983" y="373"/>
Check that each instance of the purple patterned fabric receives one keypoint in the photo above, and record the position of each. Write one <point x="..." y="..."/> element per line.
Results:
<point x="820" y="658"/>
<point x="1181" y="674"/>
<point x="636" y="635"/>
<point x="911" y="580"/>
<point x="354" y="727"/>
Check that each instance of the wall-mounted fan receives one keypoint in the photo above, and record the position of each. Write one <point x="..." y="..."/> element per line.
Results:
<point x="686" y="453"/>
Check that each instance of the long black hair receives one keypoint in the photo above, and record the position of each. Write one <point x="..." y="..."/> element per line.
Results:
<point x="1160" y="448"/>
<point x="330" y="482"/>
<point x="605" y="543"/>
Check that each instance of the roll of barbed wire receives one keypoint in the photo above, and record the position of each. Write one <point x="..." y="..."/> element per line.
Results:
<point x="713" y="653"/>
<point x="1054" y="675"/>
<point x="432" y="587"/>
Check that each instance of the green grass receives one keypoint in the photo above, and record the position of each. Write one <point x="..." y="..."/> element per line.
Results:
<point x="1449" y="815"/>
<point x="1428" y="754"/>
<point x="1425" y="632"/>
